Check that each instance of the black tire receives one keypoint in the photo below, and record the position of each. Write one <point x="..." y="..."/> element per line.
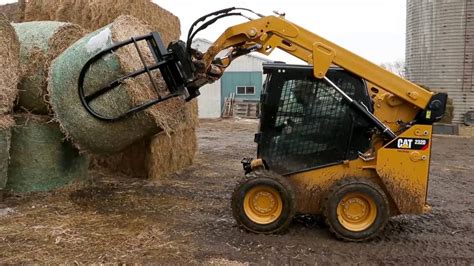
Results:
<point x="357" y="186"/>
<point x="277" y="183"/>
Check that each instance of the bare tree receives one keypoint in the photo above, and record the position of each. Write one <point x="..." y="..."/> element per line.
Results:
<point x="397" y="67"/>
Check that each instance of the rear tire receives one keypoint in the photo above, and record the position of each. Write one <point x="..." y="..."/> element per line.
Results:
<point x="356" y="209"/>
<point x="264" y="203"/>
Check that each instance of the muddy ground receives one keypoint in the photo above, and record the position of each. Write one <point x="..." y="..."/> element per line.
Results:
<point x="186" y="218"/>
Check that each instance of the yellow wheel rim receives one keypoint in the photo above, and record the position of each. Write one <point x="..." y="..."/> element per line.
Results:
<point x="263" y="204"/>
<point x="356" y="212"/>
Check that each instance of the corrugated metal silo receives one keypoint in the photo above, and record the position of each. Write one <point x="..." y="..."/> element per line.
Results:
<point x="440" y="49"/>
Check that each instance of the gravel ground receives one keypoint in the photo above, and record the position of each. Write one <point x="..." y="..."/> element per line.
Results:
<point x="186" y="218"/>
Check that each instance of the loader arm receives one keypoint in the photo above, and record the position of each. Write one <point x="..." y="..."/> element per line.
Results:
<point x="265" y="34"/>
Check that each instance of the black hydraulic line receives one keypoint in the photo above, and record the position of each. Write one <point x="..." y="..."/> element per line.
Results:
<point x="212" y="21"/>
<point x="203" y="18"/>
<point x="221" y="14"/>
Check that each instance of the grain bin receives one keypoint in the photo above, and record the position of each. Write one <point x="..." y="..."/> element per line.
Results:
<point x="440" y="49"/>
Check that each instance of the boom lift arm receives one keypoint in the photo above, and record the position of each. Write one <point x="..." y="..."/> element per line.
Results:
<point x="268" y="33"/>
<point x="265" y="34"/>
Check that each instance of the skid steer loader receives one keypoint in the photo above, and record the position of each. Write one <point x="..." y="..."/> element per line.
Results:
<point x="340" y="137"/>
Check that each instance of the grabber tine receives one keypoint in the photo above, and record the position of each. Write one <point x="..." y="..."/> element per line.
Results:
<point x="173" y="63"/>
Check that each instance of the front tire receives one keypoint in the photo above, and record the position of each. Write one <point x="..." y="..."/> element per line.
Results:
<point x="356" y="209"/>
<point x="264" y="203"/>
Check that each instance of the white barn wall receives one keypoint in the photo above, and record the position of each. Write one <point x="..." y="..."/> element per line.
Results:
<point x="210" y="99"/>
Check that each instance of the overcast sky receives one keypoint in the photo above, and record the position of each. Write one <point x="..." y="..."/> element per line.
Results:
<point x="374" y="29"/>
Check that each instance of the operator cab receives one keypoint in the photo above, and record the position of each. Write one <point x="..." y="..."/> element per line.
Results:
<point x="306" y="124"/>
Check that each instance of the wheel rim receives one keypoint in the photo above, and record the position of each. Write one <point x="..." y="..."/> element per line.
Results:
<point x="356" y="211"/>
<point x="263" y="204"/>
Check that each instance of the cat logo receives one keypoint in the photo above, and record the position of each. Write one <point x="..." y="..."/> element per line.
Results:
<point x="409" y="144"/>
<point x="404" y="143"/>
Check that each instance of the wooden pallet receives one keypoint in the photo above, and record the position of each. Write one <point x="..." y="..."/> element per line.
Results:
<point x="246" y="109"/>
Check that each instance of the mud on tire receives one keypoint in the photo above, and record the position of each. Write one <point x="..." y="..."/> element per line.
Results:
<point x="266" y="183"/>
<point x="370" y="195"/>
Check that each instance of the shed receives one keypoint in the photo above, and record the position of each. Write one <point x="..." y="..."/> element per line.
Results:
<point x="243" y="78"/>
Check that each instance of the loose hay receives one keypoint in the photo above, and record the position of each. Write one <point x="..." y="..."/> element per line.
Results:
<point x="14" y="12"/>
<point x="9" y="65"/>
<point x="157" y="156"/>
<point x="94" y="14"/>
<point x="40" y="158"/>
<point x="6" y="122"/>
<point x="40" y="43"/>
<point x="169" y="154"/>
<point x="98" y="136"/>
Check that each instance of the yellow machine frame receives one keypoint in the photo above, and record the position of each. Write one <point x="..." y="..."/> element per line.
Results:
<point x="401" y="172"/>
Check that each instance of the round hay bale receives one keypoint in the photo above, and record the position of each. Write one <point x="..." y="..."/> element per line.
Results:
<point x="6" y="122"/>
<point x="94" y="14"/>
<point x="40" y="43"/>
<point x="94" y="135"/>
<point x="9" y="65"/>
<point x="41" y="159"/>
<point x="159" y="155"/>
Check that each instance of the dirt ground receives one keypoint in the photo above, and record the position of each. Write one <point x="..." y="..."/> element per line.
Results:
<point x="186" y="218"/>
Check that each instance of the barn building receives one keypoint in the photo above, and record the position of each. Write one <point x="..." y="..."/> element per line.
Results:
<point x="241" y="81"/>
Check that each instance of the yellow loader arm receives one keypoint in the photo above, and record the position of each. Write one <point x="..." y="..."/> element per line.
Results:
<point x="265" y="34"/>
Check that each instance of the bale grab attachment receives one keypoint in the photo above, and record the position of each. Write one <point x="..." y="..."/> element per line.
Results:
<point x="173" y="63"/>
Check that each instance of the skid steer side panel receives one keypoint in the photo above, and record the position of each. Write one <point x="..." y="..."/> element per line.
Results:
<point x="403" y="166"/>
<point x="311" y="186"/>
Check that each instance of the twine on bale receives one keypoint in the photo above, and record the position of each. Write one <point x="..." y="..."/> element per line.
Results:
<point x="40" y="158"/>
<point x="40" y="43"/>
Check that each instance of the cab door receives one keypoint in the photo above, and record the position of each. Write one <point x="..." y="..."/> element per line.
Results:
<point x="306" y="124"/>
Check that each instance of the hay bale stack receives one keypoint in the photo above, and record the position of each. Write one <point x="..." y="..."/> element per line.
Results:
<point x="40" y="158"/>
<point x="94" y="135"/>
<point x="173" y="152"/>
<point x="159" y="155"/>
<point x="40" y="43"/>
<point x="94" y="14"/>
<point x="9" y="65"/>
<point x="6" y="122"/>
